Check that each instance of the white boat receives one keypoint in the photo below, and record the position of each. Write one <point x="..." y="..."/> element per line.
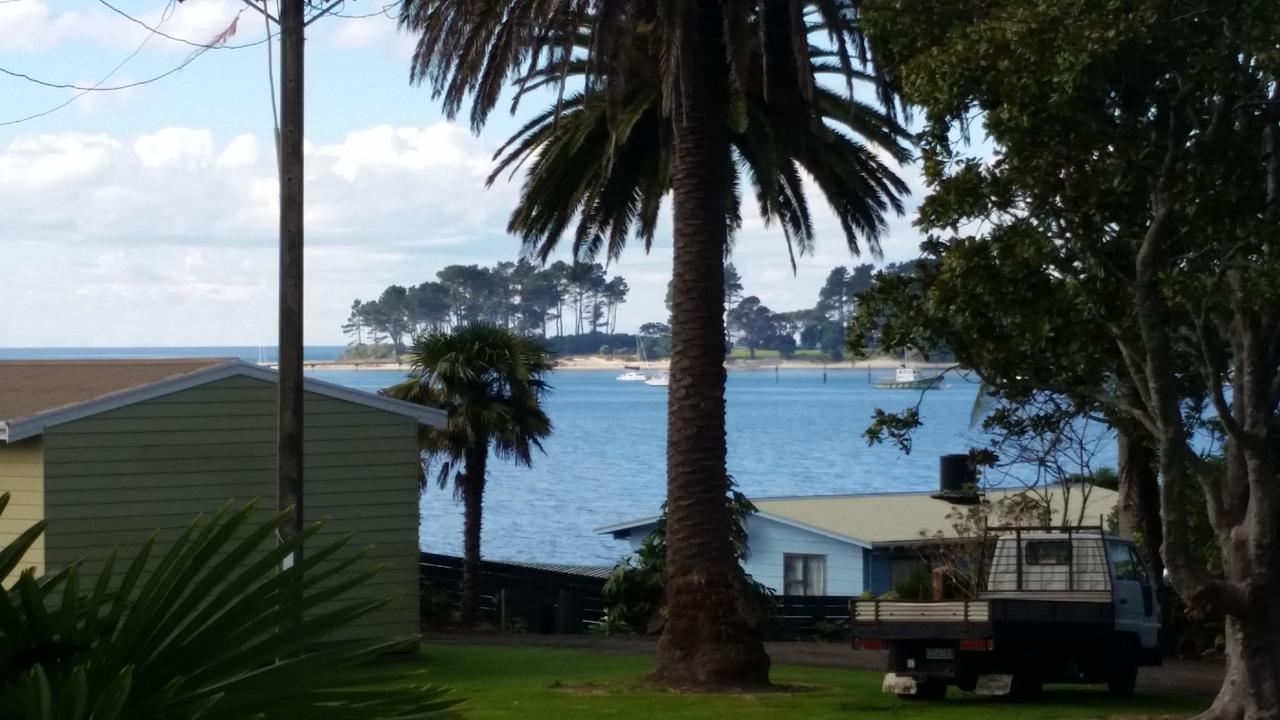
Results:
<point x="658" y="381"/>
<point x="908" y="378"/>
<point x="632" y="376"/>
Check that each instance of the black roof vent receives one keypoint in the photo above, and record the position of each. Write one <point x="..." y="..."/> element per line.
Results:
<point x="957" y="480"/>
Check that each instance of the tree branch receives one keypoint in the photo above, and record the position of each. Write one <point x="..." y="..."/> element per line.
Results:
<point x="1213" y="378"/>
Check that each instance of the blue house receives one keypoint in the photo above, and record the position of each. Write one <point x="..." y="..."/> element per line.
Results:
<point x="848" y="544"/>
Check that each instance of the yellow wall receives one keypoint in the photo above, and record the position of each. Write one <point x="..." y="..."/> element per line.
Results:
<point x="113" y="478"/>
<point x="22" y="476"/>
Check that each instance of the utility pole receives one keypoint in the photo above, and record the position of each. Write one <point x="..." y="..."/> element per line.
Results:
<point x="289" y="492"/>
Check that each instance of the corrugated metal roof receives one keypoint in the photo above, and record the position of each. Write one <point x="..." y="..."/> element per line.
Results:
<point x="35" y="395"/>
<point x="594" y="571"/>
<point x="33" y="387"/>
<point x="898" y="517"/>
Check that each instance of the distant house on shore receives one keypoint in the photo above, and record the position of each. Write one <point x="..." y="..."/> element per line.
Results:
<point x="109" y="450"/>
<point x="848" y="544"/>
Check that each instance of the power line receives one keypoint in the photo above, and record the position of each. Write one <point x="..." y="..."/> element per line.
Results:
<point x="100" y="88"/>
<point x="184" y="41"/>
<point x="385" y="12"/>
<point x="84" y="92"/>
<point x="99" y="85"/>
<point x="271" y="82"/>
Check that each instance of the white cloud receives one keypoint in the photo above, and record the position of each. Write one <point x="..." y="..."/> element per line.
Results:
<point x="350" y="33"/>
<point x="169" y="237"/>
<point x="174" y="146"/>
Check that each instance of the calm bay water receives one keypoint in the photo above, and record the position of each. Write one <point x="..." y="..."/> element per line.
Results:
<point x="789" y="434"/>
<point x="605" y="463"/>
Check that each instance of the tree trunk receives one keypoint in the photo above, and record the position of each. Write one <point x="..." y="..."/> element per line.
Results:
<point x="1140" y="491"/>
<point x="473" y="508"/>
<point x="1251" y="688"/>
<point x="712" y="636"/>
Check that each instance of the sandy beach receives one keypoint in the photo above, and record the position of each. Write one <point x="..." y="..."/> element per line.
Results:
<point x="621" y="362"/>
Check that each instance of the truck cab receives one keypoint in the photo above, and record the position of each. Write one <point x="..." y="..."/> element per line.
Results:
<point x="1055" y="605"/>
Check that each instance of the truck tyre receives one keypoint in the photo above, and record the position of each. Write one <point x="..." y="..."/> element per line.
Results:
<point x="1122" y="671"/>
<point x="928" y="690"/>
<point x="1027" y="685"/>
<point x="1121" y="681"/>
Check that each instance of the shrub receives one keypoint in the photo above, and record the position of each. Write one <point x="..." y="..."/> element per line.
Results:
<point x="215" y="631"/>
<point x="606" y="350"/>
<point x="632" y="595"/>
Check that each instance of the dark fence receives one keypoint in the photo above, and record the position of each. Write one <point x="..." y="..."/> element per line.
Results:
<point x="516" y="596"/>
<point x="821" y="616"/>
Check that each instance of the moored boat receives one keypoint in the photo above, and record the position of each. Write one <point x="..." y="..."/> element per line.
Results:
<point x="908" y="378"/>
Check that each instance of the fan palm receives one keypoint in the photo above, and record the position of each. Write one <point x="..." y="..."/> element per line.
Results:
<point x="673" y="92"/>
<point x="491" y="381"/>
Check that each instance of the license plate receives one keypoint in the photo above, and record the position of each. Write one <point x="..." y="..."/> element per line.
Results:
<point x="939" y="654"/>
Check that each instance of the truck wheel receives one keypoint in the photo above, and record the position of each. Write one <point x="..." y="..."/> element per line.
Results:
<point x="927" y="690"/>
<point x="1122" y="671"/>
<point x="1122" y="681"/>
<point x="1026" y="685"/>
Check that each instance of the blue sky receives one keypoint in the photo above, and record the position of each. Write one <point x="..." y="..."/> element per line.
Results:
<point x="147" y="216"/>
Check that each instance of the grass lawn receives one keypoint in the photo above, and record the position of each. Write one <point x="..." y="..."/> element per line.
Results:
<point x="525" y="682"/>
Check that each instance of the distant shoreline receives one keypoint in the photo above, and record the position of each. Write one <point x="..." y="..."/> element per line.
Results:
<point x="602" y="363"/>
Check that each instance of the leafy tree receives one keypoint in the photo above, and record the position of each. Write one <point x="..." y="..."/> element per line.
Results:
<point x="195" y="632"/>
<point x="393" y="313"/>
<point x="832" y="340"/>
<point x="492" y="383"/>
<point x="355" y="322"/>
<point x="615" y="293"/>
<point x="429" y="306"/>
<point x="670" y="99"/>
<point x="1136" y="157"/>
<point x="756" y="323"/>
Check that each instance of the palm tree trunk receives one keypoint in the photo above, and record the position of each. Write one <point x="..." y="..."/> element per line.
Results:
<point x="712" y="635"/>
<point x="473" y="506"/>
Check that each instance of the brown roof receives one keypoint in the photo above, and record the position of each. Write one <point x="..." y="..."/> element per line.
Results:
<point x="33" y="387"/>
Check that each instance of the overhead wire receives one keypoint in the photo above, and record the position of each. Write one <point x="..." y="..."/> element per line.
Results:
<point x="153" y="31"/>
<point x="184" y="41"/>
<point x="100" y="86"/>
<point x="271" y="82"/>
<point x="86" y="91"/>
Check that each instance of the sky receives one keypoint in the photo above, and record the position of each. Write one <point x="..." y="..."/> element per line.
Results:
<point x="148" y="215"/>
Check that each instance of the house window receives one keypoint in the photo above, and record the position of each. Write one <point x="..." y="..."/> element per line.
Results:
<point x="804" y="575"/>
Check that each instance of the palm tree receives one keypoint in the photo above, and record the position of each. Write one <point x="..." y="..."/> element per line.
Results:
<point x="677" y="95"/>
<point x="491" y="381"/>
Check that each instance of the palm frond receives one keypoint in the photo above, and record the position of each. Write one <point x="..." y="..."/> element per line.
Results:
<point x="199" y="632"/>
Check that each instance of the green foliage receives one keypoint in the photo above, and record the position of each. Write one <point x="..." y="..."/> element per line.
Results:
<point x="519" y="296"/>
<point x="1113" y="241"/>
<point x="916" y="586"/>
<point x="491" y="382"/>
<point x="209" y="629"/>
<point x="831" y="631"/>
<point x="599" y="163"/>
<point x="361" y="352"/>
<point x="633" y="593"/>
